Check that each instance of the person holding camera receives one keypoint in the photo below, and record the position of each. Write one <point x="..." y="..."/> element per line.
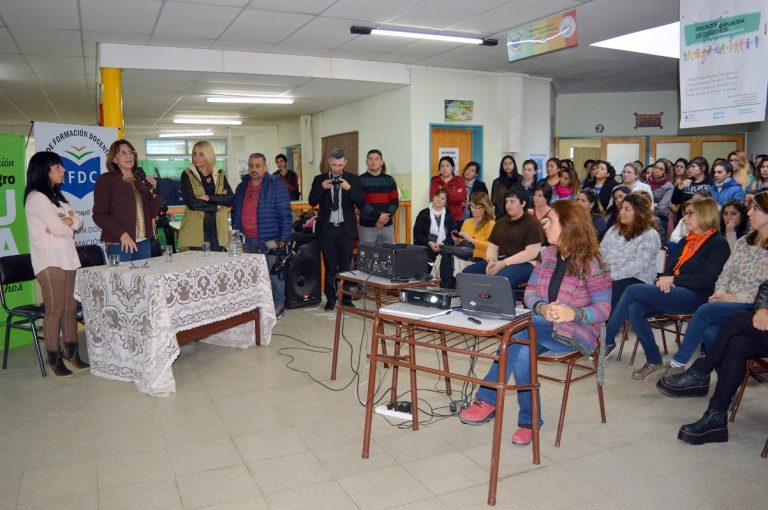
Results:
<point x="261" y="210"/>
<point x="336" y="193"/>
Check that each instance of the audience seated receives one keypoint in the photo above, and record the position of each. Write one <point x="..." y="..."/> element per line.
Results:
<point x="477" y="229"/>
<point x="567" y="187"/>
<point x="603" y="181"/>
<point x="740" y="164"/>
<point x="630" y="177"/>
<point x="432" y="229"/>
<point x="734" y="222"/>
<point x="743" y="336"/>
<point x="735" y="288"/>
<point x="542" y="196"/>
<point x="697" y="178"/>
<point x="724" y="187"/>
<point x="617" y="197"/>
<point x="514" y="242"/>
<point x="684" y="287"/>
<point x="588" y="200"/>
<point x="630" y="249"/>
<point x="761" y="178"/>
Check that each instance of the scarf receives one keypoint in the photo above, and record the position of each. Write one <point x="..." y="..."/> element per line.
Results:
<point x="434" y="228"/>
<point x="562" y="192"/>
<point x="692" y="244"/>
<point x="657" y="183"/>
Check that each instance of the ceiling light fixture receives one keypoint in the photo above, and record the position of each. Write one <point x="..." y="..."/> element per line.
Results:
<point x="420" y="35"/>
<point x="250" y="99"/>
<point x="185" y="134"/>
<point x="215" y="121"/>
<point x="663" y="41"/>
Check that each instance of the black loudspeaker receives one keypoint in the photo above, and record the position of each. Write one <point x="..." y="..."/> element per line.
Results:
<point x="302" y="280"/>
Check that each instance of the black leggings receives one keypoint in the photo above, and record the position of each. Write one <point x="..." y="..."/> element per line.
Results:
<point x="737" y="342"/>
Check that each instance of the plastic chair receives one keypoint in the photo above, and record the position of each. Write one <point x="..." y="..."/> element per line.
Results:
<point x="570" y="360"/>
<point x="17" y="269"/>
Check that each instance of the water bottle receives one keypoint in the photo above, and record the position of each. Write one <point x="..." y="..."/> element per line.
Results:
<point x="235" y="248"/>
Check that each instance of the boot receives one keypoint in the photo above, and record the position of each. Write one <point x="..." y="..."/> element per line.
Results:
<point x="684" y="384"/>
<point x="711" y="428"/>
<point x="56" y="364"/>
<point x="71" y="357"/>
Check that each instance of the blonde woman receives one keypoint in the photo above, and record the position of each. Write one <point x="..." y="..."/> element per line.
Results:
<point x="207" y="195"/>
<point x="740" y="164"/>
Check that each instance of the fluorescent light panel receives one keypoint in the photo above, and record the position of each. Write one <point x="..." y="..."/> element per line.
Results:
<point x="216" y="121"/>
<point x="430" y="37"/>
<point x="250" y="99"/>
<point x="663" y="41"/>
<point x="184" y="134"/>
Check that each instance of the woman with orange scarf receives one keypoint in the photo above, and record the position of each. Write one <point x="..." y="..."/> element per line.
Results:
<point x="700" y="259"/>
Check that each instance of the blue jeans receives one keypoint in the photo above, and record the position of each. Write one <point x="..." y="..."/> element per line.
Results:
<point x="518" y="363"/>
<point x="277" y="281"/>
<point x="516" y="273"/>
<point x="705" y="326"/>
<point x="144" y="251"/>
<point x="643" y="300"/>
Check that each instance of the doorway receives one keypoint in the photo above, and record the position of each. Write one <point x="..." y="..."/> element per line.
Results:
<point x="463" y="143"/>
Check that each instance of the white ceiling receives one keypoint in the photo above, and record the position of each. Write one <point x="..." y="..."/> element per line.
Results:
<point x="48" y="51"/>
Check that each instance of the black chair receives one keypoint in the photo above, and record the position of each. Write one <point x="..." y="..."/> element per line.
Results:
<point x="17" y="269"/>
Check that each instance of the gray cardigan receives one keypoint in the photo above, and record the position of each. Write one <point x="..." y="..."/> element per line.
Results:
<point x="635" y="258"/>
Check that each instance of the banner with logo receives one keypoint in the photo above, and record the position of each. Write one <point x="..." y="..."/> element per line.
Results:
<point x="14" y="238"/>
<point x="83" y="151"/>
<point x="723" y="78"/>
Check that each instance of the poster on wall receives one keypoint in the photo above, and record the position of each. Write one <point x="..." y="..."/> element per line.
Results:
<point x="540" y="160"/>
<point x="458" y="110"/>
<point x="543" y="36"/>
<point x="722" y="51"/>
<point x="83" y="151"/>
<point x="14" y="238"/>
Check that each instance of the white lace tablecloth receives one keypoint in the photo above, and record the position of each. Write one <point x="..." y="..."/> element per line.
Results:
<point x="132" y="314"/>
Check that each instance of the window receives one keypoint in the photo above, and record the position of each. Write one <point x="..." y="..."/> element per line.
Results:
<point x="170" y="157"/>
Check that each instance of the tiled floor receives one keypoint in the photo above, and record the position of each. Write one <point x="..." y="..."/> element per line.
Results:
<point x="245" y="432"/>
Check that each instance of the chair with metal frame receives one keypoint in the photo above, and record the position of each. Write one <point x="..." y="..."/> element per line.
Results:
<point x="570" y="360"/>
<point x="17" y="269"/>
<point x="755" y="368"/>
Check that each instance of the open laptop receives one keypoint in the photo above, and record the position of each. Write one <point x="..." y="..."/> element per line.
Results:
<point x="485" y="296"/>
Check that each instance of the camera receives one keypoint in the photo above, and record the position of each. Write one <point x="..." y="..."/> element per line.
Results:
<point x="335" y="181"/>
<point x="285" y="255"/>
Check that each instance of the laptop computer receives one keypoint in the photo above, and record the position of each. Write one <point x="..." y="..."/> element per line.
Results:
<point x="485" y="296"/>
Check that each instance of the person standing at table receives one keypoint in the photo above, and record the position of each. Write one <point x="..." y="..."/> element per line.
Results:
<point x="52" y="224"/>
<point x="261" y="210"/>
<point x="381" y="202"/>
<point x="289" y="177"/>
<point x="125" y="201"/>
<point x="207" y="195"/>
<point x="337" y="193"/>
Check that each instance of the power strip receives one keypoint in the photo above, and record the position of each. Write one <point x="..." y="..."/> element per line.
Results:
<point x="382" y="410"/>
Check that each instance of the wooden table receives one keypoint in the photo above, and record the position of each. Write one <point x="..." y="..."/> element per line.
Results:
<point x="377" y="292"/>
<point x="446" y="334"/>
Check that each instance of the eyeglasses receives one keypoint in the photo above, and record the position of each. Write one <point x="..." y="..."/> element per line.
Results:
<point x="689" y="213"/>
<point x="146" y="264"/>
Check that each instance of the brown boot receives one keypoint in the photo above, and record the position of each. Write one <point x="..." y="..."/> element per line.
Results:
<point x="71" y="357"/>
<point x="56" y="364"/>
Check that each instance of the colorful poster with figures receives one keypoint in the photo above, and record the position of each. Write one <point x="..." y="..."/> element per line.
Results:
<point x="723" y="78"/>
<point x="83" y="151"/>
<point x="14" y="238"/>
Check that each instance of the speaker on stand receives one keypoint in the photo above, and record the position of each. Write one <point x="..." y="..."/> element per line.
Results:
<point x="302" y="279"/>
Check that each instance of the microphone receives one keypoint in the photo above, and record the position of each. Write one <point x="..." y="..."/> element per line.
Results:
<point x="143" y="176"/>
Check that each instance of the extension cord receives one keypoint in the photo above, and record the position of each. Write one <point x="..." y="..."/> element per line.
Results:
<point x="382" y="410"/>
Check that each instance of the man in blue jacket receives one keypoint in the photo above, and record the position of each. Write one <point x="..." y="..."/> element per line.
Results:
<point x="262" y="212"/>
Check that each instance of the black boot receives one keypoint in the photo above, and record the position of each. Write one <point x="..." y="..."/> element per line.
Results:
<point x="56" y="364"/>
<point x="711" y="428"/>
<point x="684" y="384"/>
<point x="71" y="357"/>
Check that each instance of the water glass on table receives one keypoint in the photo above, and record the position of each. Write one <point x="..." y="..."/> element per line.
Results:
<point x="114" y="259"/>
<point x="206" y="248"/>
<point x="168" y="252"/>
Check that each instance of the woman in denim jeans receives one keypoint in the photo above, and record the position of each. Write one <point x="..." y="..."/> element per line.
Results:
<point x="569" y="294"/>
<point x="686" y="286"/>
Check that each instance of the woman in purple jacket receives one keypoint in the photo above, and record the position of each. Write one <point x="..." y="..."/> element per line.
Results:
<point x="569" y="294"/>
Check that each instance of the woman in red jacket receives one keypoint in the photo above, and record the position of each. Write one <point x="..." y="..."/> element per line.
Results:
<point x="453" y="185"/>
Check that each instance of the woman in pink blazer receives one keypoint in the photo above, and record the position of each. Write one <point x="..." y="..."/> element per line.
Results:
<point x="52" y="224"/>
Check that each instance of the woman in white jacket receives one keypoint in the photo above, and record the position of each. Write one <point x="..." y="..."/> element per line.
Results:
<point x="52" y="224"/>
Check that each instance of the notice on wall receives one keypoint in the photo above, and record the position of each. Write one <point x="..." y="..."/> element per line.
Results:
<point x="83" y="151"/>
<point x="722" y="50"/>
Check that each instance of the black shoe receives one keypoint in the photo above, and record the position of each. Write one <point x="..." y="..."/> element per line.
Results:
<point x="348" y="302"/>
<point x="279" y="312"/>
<point x="56" y="364"/>
<point x="71" y="357"/>
<point x="684" y="384"/>
<point x="610" y="350"/>
<point x="711" y="428"/>
<point x="330" y="305"/>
